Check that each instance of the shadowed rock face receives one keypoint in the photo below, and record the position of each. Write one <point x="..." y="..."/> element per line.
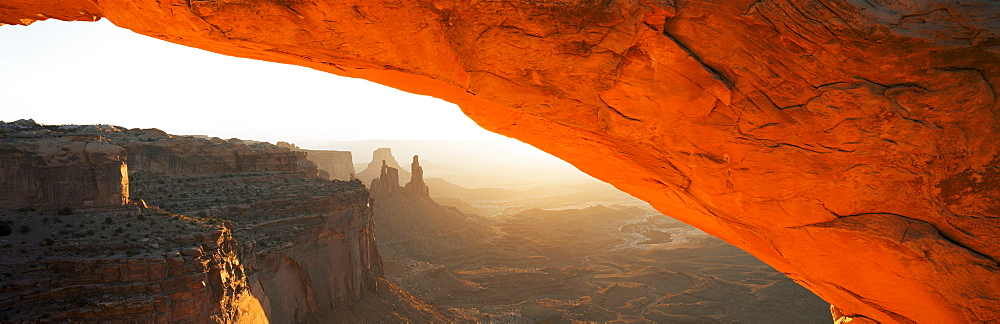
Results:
<point x="338" y="164"/>
<point x="381" y="158"/>
<point x="850" y="144"/>
<point x="417" y="186"/>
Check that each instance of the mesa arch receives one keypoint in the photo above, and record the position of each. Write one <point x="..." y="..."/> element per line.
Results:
<point x="852" y="144"/>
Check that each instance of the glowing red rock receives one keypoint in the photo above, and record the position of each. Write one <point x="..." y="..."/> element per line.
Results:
<point x="850" y="144"/>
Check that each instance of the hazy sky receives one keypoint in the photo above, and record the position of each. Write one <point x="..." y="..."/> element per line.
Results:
<point x="95" y="73"/>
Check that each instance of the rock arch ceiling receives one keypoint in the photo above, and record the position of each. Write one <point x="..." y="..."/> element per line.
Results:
<point x="850" y="144"/>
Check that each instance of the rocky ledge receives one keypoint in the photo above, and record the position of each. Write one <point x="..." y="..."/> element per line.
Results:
<point x="240" y="231"/>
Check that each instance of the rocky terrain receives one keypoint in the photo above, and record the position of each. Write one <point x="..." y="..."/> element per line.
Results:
<point x="374" y="168"/>
<point x="594" y="264"/>
<point x="491" y="201"/>
<point x="338" y="164"/>
<point x="248" y="233"/>
<point x="810" y="133"/>
<point x="69" y="170"/>
<point x="333" y="165"/>
<point x="128" y="262"/>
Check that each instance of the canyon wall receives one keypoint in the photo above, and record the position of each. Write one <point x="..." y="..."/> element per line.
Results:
<point x="160" y="274"/>
<point x="332" y="262"/>
<point x="190" y="155"/>
<point x="306" y="244"/>
<point x="266" y="241"/>
<point x="46" y="171"/>
<point x="339" y="165"/>
<point x="850" y="144"/>
<point x="302" y="253"/>
<point x="381" y="156"/>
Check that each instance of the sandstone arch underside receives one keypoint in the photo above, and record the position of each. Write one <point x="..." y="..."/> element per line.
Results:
<point x="852" y="144"/>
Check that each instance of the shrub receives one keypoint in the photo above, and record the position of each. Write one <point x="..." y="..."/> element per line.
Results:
<point x="65" y="211"/>
<point x="24" y="229"/>
<point x="5" y="228"/>
<point x="80" y="301"/>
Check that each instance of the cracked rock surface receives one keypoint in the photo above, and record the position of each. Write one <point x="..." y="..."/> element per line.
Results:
<point x="850" y="144"/>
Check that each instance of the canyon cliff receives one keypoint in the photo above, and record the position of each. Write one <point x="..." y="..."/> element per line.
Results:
<point x="192" y="155"/>
<point x="61" y="171"/>
<point x="414" y="226"/>
<point x="850" y="144"/>
<point x="338" y="164"/>
<point x="263" y="238"/>
<point x="333" y="165"/>
<point x="387" y="183"/>
<point x="380" y="157"/>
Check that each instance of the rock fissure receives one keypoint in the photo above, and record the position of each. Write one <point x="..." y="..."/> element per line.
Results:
<point x="910" y="221"/>
<point x="874" y="304"/>
<point x="714" y="73"/>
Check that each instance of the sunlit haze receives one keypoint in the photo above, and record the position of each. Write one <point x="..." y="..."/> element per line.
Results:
<point x="95" y="73"/>
<point x="60" y="72"/>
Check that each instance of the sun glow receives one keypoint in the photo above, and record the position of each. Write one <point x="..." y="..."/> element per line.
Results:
<point x="84" y="72"/>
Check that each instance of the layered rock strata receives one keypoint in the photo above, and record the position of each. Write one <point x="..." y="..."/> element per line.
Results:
<point x="339" y="165"/>
<point x="810" y="133"/>
<point x="270" y="245"/>
<point x="48" y="170"/>
<point x="333" y="165"/>
<point x="173" y="269"/>
<point x="307" y="247"/>
<point x="192" y="155"/>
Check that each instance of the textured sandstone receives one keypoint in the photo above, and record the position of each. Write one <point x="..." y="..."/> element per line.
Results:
<point x="314" y="262"/>
<point x="302" y="246"/>
<point x="374" y="169"/>
<point x="190" y="155"/>
<point x="54" y="171"/>
<point x="304" y="249"/>
<point x="417" y="186"/>
<point x="199" y="279"/>
<point x="387" y="183"/>
<point x="338" y="164"/>
<point x="333" y="165"/>
<point x="850" y="144"/>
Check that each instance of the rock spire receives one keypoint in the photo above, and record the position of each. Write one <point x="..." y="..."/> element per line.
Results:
<point x="417" y="186"/>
